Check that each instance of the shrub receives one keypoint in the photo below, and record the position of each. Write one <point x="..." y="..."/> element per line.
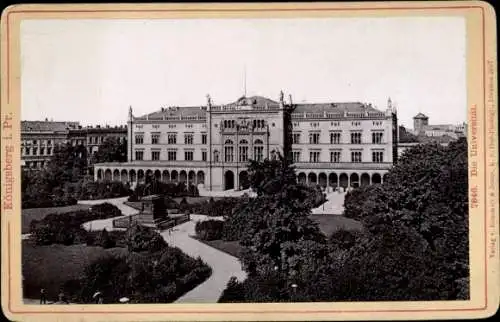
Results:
<point x="140" y="239"/>
<point x="209" y="229"/>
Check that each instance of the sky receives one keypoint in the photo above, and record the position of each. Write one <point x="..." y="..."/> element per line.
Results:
<point x="92" y="70"/>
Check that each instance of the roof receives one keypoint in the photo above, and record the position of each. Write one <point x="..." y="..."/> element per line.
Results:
<point x="48" y="126"/>
<point x="437" y="139"/>
<point x="348" y="107"/>
<point x="176" y="112"/>
<point x="439" y="127"/>
<point x="420" y="116"/>
<point x="255" y="101"/>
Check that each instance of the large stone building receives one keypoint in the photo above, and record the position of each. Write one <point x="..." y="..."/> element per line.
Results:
<point x="39" y="138"/>
<point x="422" y="127"/>
<point x="331" y="144"/>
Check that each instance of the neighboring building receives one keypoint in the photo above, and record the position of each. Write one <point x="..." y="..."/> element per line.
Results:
<point x="421" y="127"/>
<point x="331" y="144"/>
<point x="39" y="138"/>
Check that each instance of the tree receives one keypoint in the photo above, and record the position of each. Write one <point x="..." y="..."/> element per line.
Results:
<point x="405" y="136"/>
<point x="111" y="150"/>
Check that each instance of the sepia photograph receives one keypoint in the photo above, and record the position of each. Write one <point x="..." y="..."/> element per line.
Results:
<point x="242" y="160"/>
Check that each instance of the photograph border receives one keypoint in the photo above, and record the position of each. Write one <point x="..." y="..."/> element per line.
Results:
<point x="483" y="186"/>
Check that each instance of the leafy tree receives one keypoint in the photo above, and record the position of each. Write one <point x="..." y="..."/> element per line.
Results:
<point x="405" y="136"/>
<point x="111" y="150"/>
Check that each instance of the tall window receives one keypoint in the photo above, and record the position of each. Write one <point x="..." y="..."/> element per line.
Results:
<point x="314" y="156"/>
<point x="228" y="151"/>
<point x="139" y="155"/>
<point x="334" y="138"/>
<point x="377" y="156"/>
<point x="42" y="151"/>
<point x="155" y="138"/>
<point x="203" y="155"/>
<point x="335" y="156"/>
<point x="356" y="156"/>
<point x="172" y="155"/>
<point x="139" y="139"/>
<point x="356" y="137"/>
<point x="216" y="156"/>
<point x="188" y="155"/>
<point x="203" y="138"/>
<point x="172" y="138"/>
<point x="296" y="138"/>
<point x="377" y="137"/>
<point x="296" y="156"/>
<point x="49" y="142"/>
<point x="258" y="150"/>
<point x="49" y="151"/>
<point x="243" y="151"/>
<point x="314" y="138"/>
<point x="188" y="138"/>
<point x="155" y="155"/>
<point x="27" y="151"/>
<point x="35" y="151"/>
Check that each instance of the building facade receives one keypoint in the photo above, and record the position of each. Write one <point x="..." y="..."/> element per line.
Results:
<point x="331" y="144"/>
<point x="421" y="126"/>
<point x="39" y="138"/>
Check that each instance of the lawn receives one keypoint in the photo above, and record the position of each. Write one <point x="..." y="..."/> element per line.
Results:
<point x="331" y="223"/>
<point x="232" y="248"/>
<point x="39" y="213"/>
<point x="51" y="266"/>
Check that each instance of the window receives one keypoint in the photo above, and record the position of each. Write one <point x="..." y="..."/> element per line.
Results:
<point x="334" y="156"/>
<point x="139" y="155"/>
<point x="243" y="153"/>
<point x="296" y="138"/>
<point x="27" y="151"/>
<point x="188" y="155"/>
<point x="49" y="142"/>
<point x="377" y="156"/>
<point x="34" y="142"/>
<point x="102" y="139"/>
<point x="203" y="155"/>
<point x="314" y="138"/>
<point x="356" y="156"/>
<point x="139" y="139"/>
<point x="188" y="138"/>
<point x="203" y="138"/>
<point x="377" y="137"/>
<point x="356" y="138"/>
<point x="42" y="151"/>
<point x="172" y="138"/>
<point x="258" y="153"/>
<point x="216" y="156"/>
<point x="172" y="155"/>
<point x="155" y="138"/>
<point x="334" y="138"/>
<point x="35" y="164"/>
<point x="35" y="150"/>
<point x="314" y="156"/>
<point x="155" y="155"/>
<point x="296" y="156"/>
<point x="229" y="124"/>
<point x="228" y="153"/>
<point x="49" y="151"/>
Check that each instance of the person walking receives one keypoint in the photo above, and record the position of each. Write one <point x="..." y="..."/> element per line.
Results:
<point x="43" y="298"/>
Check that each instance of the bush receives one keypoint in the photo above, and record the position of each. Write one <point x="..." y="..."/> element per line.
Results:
<point x="102" y="189"/>
<point x="209" y="229"/>
<point x="140" y="239"/>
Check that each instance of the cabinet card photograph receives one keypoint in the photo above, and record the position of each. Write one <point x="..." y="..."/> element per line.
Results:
<point x="244" y="162"/>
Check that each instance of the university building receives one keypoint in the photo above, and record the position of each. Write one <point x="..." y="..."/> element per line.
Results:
<point x="331" y="144"/>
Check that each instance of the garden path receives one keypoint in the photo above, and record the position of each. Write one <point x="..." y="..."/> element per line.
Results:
<point x="334" y="205"/>
<point x="223" y="265"/>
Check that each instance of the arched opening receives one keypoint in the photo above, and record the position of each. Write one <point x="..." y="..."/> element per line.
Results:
<point x="107" y="175"/>
<point x="302" y="178"/>
<point x="385" y="177"/>
<point x="158" y="175"/>
<point x="244" y="182"/>
<point x="228" y="180"/>
<point x="333" y="180"/>
<point x="365" y="179"/>
<point x="191" y="177"/>
<point x="99" y="174"/>
<point x="140" y="176"/>
<point x="116" y="175"/>
<point x="343" y="180"/>
<point x="201" y="177"/>
<point x="354" y="180"/>
<point x="312" y="179"/>
<point x="322" y="180"/>
<point x="133" y="176"/>
<point x="124" y="176"/>
<point x="183" y="176"/>
<point x="149" y="176"/>
<point x="174" y="176"/>
<point x="258" y="150"/>
<point x="166" y="176"/>
<point x="376" y="179"/>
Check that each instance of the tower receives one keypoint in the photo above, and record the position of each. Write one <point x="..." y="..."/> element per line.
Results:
<point x="420" y="121"/>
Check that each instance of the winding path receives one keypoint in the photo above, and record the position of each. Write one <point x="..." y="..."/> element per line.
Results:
<point x="223" y="265"/>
